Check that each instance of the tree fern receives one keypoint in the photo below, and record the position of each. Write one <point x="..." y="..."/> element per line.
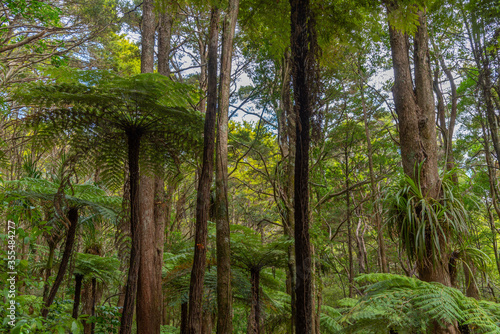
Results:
<point x="105" y="269"/>
<point x="408" y="304"/>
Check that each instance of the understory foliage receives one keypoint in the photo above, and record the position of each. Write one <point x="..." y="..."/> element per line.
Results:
<point x="412" y="216"/>
<point x="408" y="305"/>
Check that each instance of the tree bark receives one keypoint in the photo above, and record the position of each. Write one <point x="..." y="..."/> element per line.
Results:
<point x="303" y="46"/>
<point x="184" y="318"/>
<point x="78" y="293"/>
<point x="374" y="194"/>
<point x="48" y="270"/>
<point x="254" y="319"/>
<point x="94" y="298"/>
<point x="68" y="249"/>
<point x="417" y="130"/>
<point x="224" y="292"/>
<point x="148" y="306"/>
<point x="348" y="217"/>
<point x="147" y="37"/>
<point x="286" y="141"/>
<point x="134" y="140"/>
<point x="149" y="301"/>
<point x="203" y="195"/>
<point x="164" y="36"/>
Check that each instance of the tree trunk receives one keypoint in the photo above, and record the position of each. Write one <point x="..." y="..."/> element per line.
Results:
<point x="184" y="318"/>
<point x="382" y="258"/>
<point x="94" y="298"/>
<point x="68" y="249"/>
<point x="303" y="46"/>
<point x="134" y="140"/>
<point x="160" y="217"/>
<point x="203" y="196"/>
<point x="224" y="292"/>
<point x="48" y="270"/>
<point x="164" y="35"/>
<point x="147" y="37"/>
<point x="286" y="141"/>
<point x="417" y="130"/>
<point x="360" y="241"/>
<point x="148" y="306"/>
<point x="348" y="217"/>
<point x="78" y="292"/>
<point x="254" y="319"/>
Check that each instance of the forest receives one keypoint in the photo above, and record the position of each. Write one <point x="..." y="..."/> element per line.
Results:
<point x="250" y="167"/>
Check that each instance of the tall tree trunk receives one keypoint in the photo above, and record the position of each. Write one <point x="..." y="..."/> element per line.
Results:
<point x="148" y="306"/>
<point x="78" y="293"/>
<point x="348" y="217"/>
<point x="161" y="205"/>
<point x="184" y="318"/>
<point x="303" y="46"/>
<point x="133" y="141"/>
<point x="254" y="319"/>
<point x="147" y="37"/>
<point x="360" y="241"/>
<point x="203" y="196"/>
<point x="94" y="298"/>
<point x="382" y="258"/>
<point x="164" y="36"/>
<point x="224" y="292"/>
<point x="202" y="48"/>
<point x="48" y="270"/>
<point x="286" y="141"/>
<point x="162" y="200"/>
<point x="68" y="249"/>
<point x="417" y="130"/>
<point x="149" y="301"/>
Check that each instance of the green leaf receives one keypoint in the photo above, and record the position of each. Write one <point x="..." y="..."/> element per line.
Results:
<point x="76" y="327"/>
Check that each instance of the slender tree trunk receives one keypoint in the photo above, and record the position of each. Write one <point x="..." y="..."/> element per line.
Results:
<point x="162" y="201"/>
<point x="348" y="218"/>
<point x="382" y="258"/>
<point x="202" y="46"/>
<point x="360" y="241"/>
<point x="94" y="297"/>
<point x="78" y="293"/>
<point x="286" y="135"/>
<point x="203" y="196"/>
<point x="134" y="140"/>
<point x="48" y="270"/>
<point x="184" y="318"/>
<point x="303" y="46"/>
<point x="147" y="37"/>
<point x="224" y="292"/>
<point x="164" y="36"/>
<point x="254" y="319"/>
<point x="68" y="249"/>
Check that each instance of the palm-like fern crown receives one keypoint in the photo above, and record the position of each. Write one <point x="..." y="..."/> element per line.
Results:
<point x="105" y="269"/>
<point x="79" y="195"/>
<point x="248" y="251"/>
<point x="96" y="119"/>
